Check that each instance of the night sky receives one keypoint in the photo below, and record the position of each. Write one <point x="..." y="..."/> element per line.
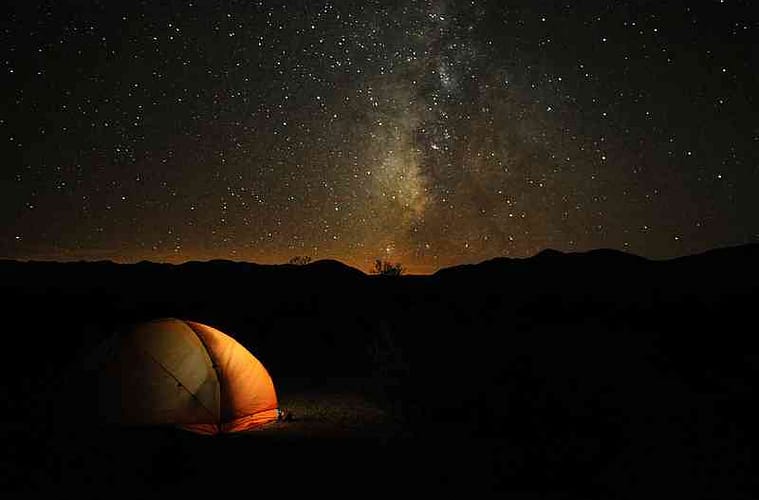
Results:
<point x="430" y="133"/>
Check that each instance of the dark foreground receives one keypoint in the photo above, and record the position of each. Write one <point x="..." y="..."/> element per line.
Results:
<point x="597" y="375"/>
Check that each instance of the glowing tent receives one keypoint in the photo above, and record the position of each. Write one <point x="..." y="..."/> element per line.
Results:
<point x="175" y="372"/>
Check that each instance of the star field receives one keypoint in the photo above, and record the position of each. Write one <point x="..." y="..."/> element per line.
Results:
<point x="431" y="133"/>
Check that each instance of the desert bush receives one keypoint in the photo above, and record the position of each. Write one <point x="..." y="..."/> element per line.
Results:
<point x="385" y="268"/>
<point x="300" y="260"/>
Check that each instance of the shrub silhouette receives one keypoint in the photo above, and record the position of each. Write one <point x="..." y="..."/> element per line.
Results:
<point x="300" y="260"/>
<point x="385" y="268"/>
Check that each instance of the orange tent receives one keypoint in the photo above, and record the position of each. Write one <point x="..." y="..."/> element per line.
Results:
<point x="187" y="374"/>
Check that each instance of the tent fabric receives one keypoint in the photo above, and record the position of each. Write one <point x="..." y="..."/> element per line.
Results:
<point x="188" y="374"/>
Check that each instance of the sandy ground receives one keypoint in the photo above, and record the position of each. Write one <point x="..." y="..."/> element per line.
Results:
<point x="334" y="408"/>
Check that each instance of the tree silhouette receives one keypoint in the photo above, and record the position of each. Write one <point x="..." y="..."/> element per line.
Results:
<point x="385" y="268"/>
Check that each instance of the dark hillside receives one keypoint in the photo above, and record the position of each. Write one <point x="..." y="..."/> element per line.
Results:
<point x="599" y="374"/>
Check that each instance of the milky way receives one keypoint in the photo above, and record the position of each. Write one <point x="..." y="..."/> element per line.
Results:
<point x="430" y="133"/>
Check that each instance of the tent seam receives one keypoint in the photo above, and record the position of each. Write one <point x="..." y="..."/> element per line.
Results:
<point x="185" y="388"/>
<point x="214" y="365"/>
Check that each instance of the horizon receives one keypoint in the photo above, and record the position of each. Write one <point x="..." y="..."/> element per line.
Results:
<point x="368" y="269"/>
